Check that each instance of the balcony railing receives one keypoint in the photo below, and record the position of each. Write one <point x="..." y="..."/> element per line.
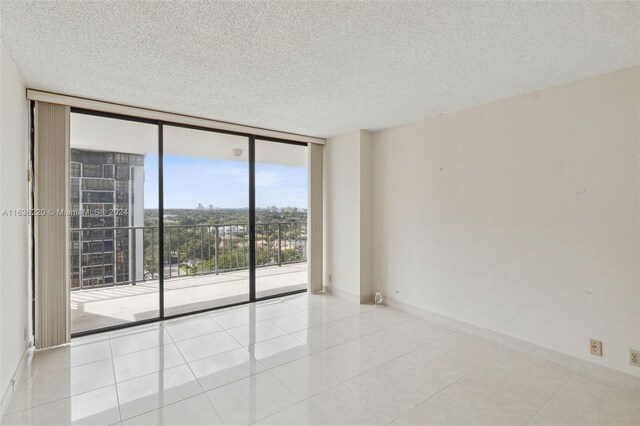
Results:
<point x="130" y="255"/>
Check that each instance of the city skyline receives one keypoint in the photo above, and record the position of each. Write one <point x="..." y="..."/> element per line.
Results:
<point x="210" y="207"/>
<point x="223" y="184"/>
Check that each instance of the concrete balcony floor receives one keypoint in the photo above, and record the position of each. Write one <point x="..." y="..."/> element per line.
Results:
<point x="108" y="306"/>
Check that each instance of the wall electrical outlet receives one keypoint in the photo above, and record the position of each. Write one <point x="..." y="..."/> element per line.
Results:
<point x="596" y="347"/>
<point x="634" y="357"/>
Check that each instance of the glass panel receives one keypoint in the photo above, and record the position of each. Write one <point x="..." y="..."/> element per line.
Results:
<point x="114" y="224"/>
<point x="281" y="218"/>
<point x="206" y="219"/>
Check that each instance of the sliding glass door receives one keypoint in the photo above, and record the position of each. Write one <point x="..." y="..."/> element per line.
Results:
<point x="281" y="217"/>
<point x="168" y="220"/>
<point x="206" y="219"/>
<point x="113" y="235"/>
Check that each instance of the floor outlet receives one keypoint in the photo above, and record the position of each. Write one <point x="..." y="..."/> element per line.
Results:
<point x="378" y="299"/>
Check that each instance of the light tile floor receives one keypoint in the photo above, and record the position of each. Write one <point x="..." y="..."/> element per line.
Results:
<point x="307" y="359"/>
<point x="93" y="308"/>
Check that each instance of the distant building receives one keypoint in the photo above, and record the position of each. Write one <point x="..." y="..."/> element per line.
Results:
<point x="200" y="206"/>
<point x="107" y="191"/>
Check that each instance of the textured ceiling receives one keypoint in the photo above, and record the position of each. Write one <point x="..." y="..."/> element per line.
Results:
<point x="315" y="68"/>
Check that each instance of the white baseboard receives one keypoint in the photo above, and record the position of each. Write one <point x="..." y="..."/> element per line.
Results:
<point x="23" y="367"/>
<point x="342" y="294"/>
<point x="366" y="299"/>
<point x="601" y="371"/>
<point x="363" y="300"/>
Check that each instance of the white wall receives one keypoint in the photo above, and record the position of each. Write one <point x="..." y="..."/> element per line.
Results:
<point x="14" y="278"/>
<point x="348" y="195"/>
<point x="521" y="216"/>
<point x="342" y="214"/>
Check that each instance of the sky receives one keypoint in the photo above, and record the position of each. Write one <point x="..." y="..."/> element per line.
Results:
<point x="225" y="184"/>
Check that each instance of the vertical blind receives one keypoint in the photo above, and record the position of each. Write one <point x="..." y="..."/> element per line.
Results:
<point x="314" y="280"/>
<point x="51" y="150"/>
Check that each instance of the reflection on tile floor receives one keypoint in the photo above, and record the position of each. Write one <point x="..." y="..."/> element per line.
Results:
<point x="306" y="359"/>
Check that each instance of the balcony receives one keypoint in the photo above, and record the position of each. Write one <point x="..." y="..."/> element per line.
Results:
<point x="115" y="271"/>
